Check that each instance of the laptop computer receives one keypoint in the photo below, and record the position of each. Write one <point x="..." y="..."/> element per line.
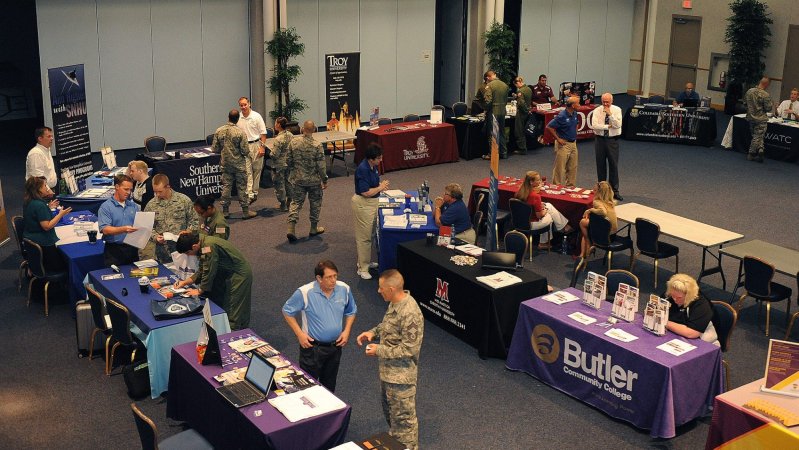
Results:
<point x="498" y="261"/>
<point x="256" y="385"/>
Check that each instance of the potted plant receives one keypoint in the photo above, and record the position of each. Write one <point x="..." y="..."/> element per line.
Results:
<point x="748" y="35"/>
<point x="285" y="45"/>
<point x="499" y="43"/>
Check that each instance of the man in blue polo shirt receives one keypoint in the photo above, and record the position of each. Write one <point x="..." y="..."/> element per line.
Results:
<point x="450" y="210"/>
<point x="115" y="220"/>
<point x="564" y="129"/>
<point x="327" y="309"/>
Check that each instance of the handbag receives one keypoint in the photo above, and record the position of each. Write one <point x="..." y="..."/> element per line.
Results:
<point x="177" y="307"/>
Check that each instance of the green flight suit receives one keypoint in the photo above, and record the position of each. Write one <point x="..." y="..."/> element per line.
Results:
<point x="225" y="277"/>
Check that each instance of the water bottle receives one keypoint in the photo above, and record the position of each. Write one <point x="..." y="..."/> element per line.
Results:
<point x="452" y="235"/>
<point x="564" y="246"/>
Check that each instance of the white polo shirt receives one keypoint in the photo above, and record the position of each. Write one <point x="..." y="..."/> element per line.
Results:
<point x="39" y="163"/>
<point x="252" y="125"/>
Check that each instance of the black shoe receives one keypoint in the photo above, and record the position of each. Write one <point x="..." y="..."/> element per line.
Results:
<point x="618" y="197"/>
<point x="291" y="237"/>
<point x="759" y="158"/>
<point x="520" y="152"/>
<point x="750" y="157"/>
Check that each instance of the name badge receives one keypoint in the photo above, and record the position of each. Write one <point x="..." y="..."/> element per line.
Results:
<point x="221" y="230"/>
<point x="206" y="250"/>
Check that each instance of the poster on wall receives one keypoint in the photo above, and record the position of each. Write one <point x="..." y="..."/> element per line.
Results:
<point x="70" y="120"/>
<point x="343" y="91"/>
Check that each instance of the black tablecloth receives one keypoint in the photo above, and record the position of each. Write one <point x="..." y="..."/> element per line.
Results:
<point x="472" y="142"/>
<point x="781" y="141"/>
<point x="451" y="297"/>
<point x="692" y="126"/>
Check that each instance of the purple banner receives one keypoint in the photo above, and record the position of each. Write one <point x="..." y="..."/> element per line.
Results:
<point x="70" y="120"/>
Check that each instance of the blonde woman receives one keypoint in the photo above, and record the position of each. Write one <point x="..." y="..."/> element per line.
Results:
<point x="690" y="313"/>
<point x="543" y="213"/>
<point x="603" y="206"/>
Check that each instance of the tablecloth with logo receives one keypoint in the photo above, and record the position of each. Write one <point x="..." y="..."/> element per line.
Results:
<point x="635" y="382"/>
<point x="544" y="117"/>
<point x="691" y="126"/>
<point x="781" y="140"/>
<point x="419" y="144"/>
<point x="451" y="297"/>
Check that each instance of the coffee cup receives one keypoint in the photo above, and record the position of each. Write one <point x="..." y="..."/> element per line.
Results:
<point x="144" y="285"/>
<point x="92" y="236"/>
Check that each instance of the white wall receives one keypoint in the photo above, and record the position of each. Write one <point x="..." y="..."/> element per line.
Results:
<point x="167" y="67"/>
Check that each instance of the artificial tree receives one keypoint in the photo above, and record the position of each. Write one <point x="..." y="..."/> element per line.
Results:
<point x="748" y="35"/>
<point x="285" y="45"/>
<point x="499" y="43"/>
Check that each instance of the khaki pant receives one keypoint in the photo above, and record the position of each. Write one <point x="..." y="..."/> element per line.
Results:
<point x="364" y="210"/>
<point x="565" y="171"/>
<point x="254" y="180"/>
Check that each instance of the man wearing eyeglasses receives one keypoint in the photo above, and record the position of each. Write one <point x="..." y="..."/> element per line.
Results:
<point x="450" y="210"/>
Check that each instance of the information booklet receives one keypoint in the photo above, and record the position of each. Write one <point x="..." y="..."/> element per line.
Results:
<point x="594" y="290"/>
<point x="782" y="368"/>
<point x="560" y="297"/>
<point x="625" y="304"/>
<point x="109" y="158"/>
<point x="374" y="116"/>
<point x="656" y="315"/>
<point x="444" y="236"/>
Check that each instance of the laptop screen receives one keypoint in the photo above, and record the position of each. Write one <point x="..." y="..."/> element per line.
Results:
<point x="259" y="373"/>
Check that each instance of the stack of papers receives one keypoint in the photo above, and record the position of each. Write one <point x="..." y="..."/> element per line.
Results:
<point x="620" y="335"/>
<point x="420" y="219"/>
<point x="395" y="193"/>
<point x="582" y="318"/>
<point x="70" y="234"/>
<point x="499" y="280"/>
<point x="310" y="402"/>
<point x="560" y="297"/>
<point x="676" y="347"/>
<point x="470" y="249"/>
<point x="395" y="221"/>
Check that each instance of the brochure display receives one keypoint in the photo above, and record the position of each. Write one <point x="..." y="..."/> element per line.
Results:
<point x="625" y="303"/>
<point x="594" y="290"/>
<point x="782" y="368"/>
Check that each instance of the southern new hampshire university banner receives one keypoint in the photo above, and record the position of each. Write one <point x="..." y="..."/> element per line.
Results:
<point x="70" y="120"/>
<point x="343" y="91"/>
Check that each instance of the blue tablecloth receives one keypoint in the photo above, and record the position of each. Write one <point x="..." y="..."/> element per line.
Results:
<point x="388" y="238"/>
<point x="159" y="336"/>
<point x="82" y="257"/>
<point x="634" y="381"/>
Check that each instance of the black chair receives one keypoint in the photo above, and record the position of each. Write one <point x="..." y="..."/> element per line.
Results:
<point x="647" y="234"/>
<point x="148" y="434"/>
<point x="155" y="144"/>
<point x="615" y="277"/>
<point x="790" y="325"/>
<point x="410" y="118"/>
<point x="657" y="99"/>
<point x="120" y="332"/>
<point x="477" y="221"/>
<point x="516" y="242"/>
<point x="270" y="133"/>
<point x="520" y="213"/>
<point x="37" y="271"/>
<point x="601" y="238"/>
<point x="758" y="285"/>
<point x="209" y="139"/>
<point x="18" y="224"/>
<point x="384" y="121"/>
<point x="481" y="196"/>
<point x="459" y="109"/>
<point x="724" y="319"/>
<point x="99" y="316"/>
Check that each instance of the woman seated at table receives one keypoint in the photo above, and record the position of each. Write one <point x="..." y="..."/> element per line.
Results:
<point x="603" y="206"/>
<point x="40" y="222"/>
<point x="450" y="210"/>
<point x="543" y="214"/>
<point x="143" y="189"/>
<point x="691" y="312"/>
<point x="212" y="221"/>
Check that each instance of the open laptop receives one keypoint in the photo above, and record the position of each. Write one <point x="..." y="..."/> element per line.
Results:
<point x="256" y="385"/>
<point x="498" y="261"/>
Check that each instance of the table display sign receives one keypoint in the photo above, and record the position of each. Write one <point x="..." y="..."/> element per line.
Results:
<point x="625" y="303"/>
<point x="109" y="158"/>
<point x="662" y="123"/>
<point x="782" y="368"/>
<point x="342" y="91"/>
<point x="594" y="290"/>
<point x="70" y="119"/>
<point x="656" y="315"/>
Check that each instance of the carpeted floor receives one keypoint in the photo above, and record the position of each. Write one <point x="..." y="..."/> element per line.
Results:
<point x="49" y="398"/>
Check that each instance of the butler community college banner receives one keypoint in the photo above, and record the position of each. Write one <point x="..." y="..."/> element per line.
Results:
<point x="342" y="79"/>
<point x="70" y="120"/>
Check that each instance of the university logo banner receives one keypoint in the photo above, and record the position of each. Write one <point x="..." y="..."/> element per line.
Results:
<point x="70" y="121"/>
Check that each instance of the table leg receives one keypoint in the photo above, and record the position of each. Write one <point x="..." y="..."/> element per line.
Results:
<point x="712" y="270"/>
<point x="738" y="282"/>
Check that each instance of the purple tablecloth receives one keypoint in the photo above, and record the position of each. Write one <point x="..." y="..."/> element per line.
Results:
<point x="633" y="381"/>
<point x="193" y="398"/>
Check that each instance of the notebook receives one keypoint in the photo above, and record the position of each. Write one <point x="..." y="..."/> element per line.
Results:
<point x="498" y="261"/>
<point x="256" y="385"/>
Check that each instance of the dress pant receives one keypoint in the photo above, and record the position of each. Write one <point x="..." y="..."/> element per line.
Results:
<point x="607" y="160"/>
<point x="565" y="171"/>
<point x="257" y="166"/>
<point x="364" y="210"/>
<point x="321" y="362"/>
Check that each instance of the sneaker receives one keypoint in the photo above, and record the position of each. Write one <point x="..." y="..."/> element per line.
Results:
<point x="374" y="265"/>
<point x="365" y="275"/>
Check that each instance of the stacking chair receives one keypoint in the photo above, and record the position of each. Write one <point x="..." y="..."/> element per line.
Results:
<point x="120" y="332"/>
<point x="758" y="285"/>
<point x="477" y="221"/>
<point x="99" y="315"/>
<point x="37" y="271"/>
<point x="148" y="434"/>
<point x="482" y="205"/>
<point x="459" y="109"/>
<point x="724" y="319"/>
<point x="790" y="325"/>
<point x="520" y="213"/>
<point x="270" y="132"/>
<point x="516" y="242"/>
<point x="657" y="99"/>
<point x="601" y="238"/>
<point x="410" y="118"/>
<point x="18" y="224"/>
<point x="384" y="121"/>
<point x="616" y="277"/>
<point x="647" y="234"/>
<point x="209" y="139"/>
<point x="155" y="144"/>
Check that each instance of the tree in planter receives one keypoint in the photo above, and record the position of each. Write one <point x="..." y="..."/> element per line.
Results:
<point x="748" y="35"/>
<point x="285" y="45"/>
<point x="499" y="39"/>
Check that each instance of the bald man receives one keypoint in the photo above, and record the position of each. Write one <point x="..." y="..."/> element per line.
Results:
<point x="308" y="177"/>
<point x="689" y="96"/>
<point x="758" y="105"/>
<point x="606" y="123"/>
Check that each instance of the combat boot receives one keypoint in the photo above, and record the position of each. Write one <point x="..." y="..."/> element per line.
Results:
<point x="284" y="206"/>
<point x="315" y="230"/>
<point x="290" y="233"/>
<point x="247" y="214"/>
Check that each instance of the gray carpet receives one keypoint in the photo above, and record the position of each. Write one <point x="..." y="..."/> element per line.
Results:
<point x="50" y="398"/>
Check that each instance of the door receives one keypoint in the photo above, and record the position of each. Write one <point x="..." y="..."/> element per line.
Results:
<point x="450" y="52"/>
<point x="790" y="73"/>
<point x="683" y="53"/>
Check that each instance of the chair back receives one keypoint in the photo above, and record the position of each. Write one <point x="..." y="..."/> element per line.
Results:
<point x="516" y="242"/>
<point x="757" y="276"/>
<point x="148" y="432"/>
<point x="477" y="220"/>
<point x="480" y="198"/>
<point x="410" y="118"/>
<point x="616" y="277"/>
<point x="657" y="99"/>
<point x="384" y="121"/>
<point x="459" y="109"/>
<point x="520" y="213"/>
<point x="120" y="322"/>
<point x="270" y="133"/>
<point x="647" y="234"/>
<point x="209" y="139"/>
<point x="724" y="319"/>
<point x="98" y="308"/>
<point x="18" y="224"/>
<point x="155" y="144"/>
<point x="35" y="258"/>
<point x="599" y="230"/>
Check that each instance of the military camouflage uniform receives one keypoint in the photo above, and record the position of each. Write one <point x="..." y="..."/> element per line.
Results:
<point x="400" y="334"/>
<point x="758" y="103"/>
<point x="495" y="97"/>
<point x="216" y="225"/>
<point x="231" y="143"/>
<point x="522" y="114"/>
<point x="307" y="173"/>
<point x="280" y="150"/>
<point x="173" y="215"/>
<point x="225" y="277"/>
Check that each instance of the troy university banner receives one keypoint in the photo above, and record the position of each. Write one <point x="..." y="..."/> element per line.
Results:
<point x="343" y="91"/>
<point x="70" y="120"/>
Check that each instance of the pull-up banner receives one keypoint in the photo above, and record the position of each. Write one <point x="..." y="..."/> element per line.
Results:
<point x="343" y="80"/>
<point x="70" y="120"/>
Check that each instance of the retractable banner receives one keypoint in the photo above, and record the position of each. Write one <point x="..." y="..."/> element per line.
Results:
<point x="343" y="89"/>
<point x="70" y="120"/>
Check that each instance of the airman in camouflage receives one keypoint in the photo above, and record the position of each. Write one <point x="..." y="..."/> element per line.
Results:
<point x="280" y="150"/>
<point x="308" y="176"/>
<point x="212" y="222"/>
<point x="758" y="103"/>
<point x="400" y="335"/>
<point x="231" y="143"/>
<point x="174" y="212"/>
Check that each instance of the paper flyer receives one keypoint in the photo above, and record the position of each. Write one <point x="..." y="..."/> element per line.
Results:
<point x="782" y="368"/>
